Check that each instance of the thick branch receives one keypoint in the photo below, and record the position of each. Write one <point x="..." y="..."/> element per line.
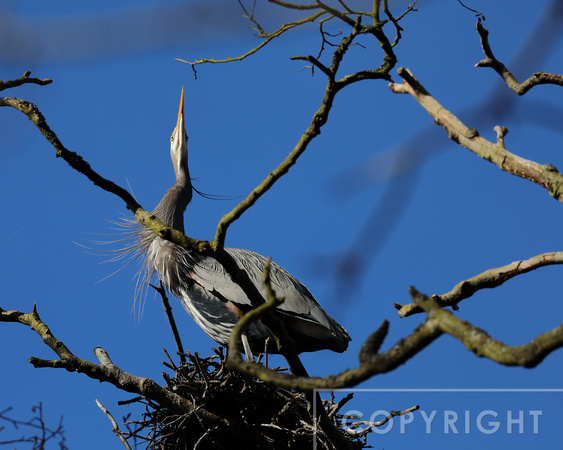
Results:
<point x="546" y="175"/>
<point x="489" y="279"/>
<point x="372" y="364"/>
<point x="103" y="372"/>
<point x="107" y="371"/>
<point x="480" y="343"/>
<point x="438" y="322"/>
<point x="500" y="68"/>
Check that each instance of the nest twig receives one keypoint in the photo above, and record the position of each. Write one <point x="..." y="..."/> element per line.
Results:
<point x="264" y="415"/>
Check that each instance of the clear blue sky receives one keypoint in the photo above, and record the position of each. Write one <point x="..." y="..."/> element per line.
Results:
<point x="114" y="100"/>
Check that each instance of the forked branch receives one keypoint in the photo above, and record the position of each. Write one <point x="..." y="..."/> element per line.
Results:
<point x="520" y="88"/>
<point x="489" y="279"/>
<point x="483" y="345"/>
<point x="268" y="37"/>
<point x="438" y="322"/>
<point x="320" y="117"/>
<point x="105" y="371"/>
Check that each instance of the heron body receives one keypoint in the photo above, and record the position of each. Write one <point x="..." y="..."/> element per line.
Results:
<point x="207" y="292"/>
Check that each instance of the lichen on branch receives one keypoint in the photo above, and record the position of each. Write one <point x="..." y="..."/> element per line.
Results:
<point x="545" y="175"/>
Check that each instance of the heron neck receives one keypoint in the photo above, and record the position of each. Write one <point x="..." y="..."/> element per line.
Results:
<point x="175" y="201"/>
<point x="183" y="175"/>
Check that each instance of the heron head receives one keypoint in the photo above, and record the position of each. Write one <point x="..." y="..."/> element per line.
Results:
<point x="179" y="142"/>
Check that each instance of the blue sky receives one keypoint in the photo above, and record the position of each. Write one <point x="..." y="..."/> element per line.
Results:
<point x="450" y="217"/>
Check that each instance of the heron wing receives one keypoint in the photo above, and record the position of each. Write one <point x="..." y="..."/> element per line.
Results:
<point x="304" y="313"/>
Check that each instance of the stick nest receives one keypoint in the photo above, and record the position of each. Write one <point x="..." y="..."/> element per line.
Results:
<point x="231" y="411"/>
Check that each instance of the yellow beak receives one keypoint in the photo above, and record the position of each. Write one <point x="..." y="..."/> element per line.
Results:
<point x="180" y="121"/>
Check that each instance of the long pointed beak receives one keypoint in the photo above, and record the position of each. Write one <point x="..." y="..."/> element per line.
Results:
<point x="180" y="122"/>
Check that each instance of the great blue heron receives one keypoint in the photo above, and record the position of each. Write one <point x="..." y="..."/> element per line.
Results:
<point x="209" y="295"/>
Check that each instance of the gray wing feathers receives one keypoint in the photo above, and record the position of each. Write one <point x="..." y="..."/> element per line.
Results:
<point x="298" y="301"/>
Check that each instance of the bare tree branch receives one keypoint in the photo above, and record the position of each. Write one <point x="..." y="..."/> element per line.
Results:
<point x="483" y="345"/>
<point x="168" y="310"/>
<point x="438" y="321"/>
<point x="78" y="163"/>
<point x="520" y="88"/>
<point x="267" y="38"/>
<point x="546" y="175"/>
<point x="24" y="79"/>
<point x="371" y="364"/>
<point x="489" y="279"/>
<point x="178" y="405"/>
<point x="319" y="118"/>
<point x="106" y="371"/>
<point x="115" y="427"/>
<point x="369" y="425"/>
<point x="42" y="434"/>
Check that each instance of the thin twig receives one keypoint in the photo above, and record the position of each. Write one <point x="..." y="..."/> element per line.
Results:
<point x="369" y="425"/>
<point x="477" y="13"/>
<point x="168" y="310"/>
<point x="115" y="427"/>
<point x="488" y="279"/>
<point x="24" y="79"/>
<point x="315" y="62"/>
<point x="267" y="38"/>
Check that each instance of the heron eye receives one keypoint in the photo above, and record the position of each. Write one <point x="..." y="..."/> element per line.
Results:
<point x="172" y="138"/>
